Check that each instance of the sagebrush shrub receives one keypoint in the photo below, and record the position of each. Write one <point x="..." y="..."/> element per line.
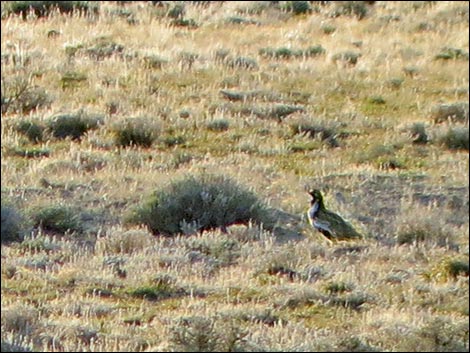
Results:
<point x="11" y="224"/>
<point x="456" y="138"/>
<point x="73" y="125"/>
<point x="198" y="203"/>
<point x="58" y="218"/>
<point x="139" y="131"/>
<point x="45" y="8"/>
<point x="31" y="129"/>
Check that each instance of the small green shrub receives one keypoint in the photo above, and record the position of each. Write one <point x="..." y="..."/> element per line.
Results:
<point x="242" y="63"/>
<point x="198" y="203"/>
<point x="312" y="129"/>
<point x="207" y="334"/>
<point x="45" y="8"/>
<point x="73" y="125"/>
<point x="448" y="53"/>
<point x="31" y="129"/>
<point x="287" y="53"/>
<point x="298" y="7"/>
<point x="347" y="57"/>
<point x="455" y="112"/>
<point x="395" y="83"/>
<point x="176" y="11"/>
<point x="376" y="100"/>
<point x="12" y="224"/>
<point x="72" y="79"/>
<point x="183" y="22"/>
<point x="154" y="62"/>
<point x="335" y="287"/>
<point x="157" y="291"/>
<point x="14" y="347"/>
<point x="350" y="8"/>
<point x="328" y="29"/>
<point x="456" y="138"/>
<point x="218" y="125"/>
<point x="449" y="268"/>
<point x="103" y="47"/>
<point x="174" y="140"/>
<point x="139" y="131"/>
<point x="28" y="152"/>
<point x="57" y="218"/>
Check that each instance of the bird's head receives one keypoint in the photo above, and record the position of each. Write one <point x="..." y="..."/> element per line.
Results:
<point x="316" y="197"/>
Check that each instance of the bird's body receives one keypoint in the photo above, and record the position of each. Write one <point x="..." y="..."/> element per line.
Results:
<point x="331" y="225"/>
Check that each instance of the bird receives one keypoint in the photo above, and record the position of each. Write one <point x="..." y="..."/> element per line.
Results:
<point x="331" y="225"/>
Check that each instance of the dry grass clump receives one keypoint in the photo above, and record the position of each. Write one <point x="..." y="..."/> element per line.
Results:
<point x="424" y="225"/>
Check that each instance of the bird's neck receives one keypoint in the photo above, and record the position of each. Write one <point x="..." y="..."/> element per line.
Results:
<point x="315" y="206"/>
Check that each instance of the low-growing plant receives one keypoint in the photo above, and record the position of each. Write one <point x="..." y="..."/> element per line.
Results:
<point x="156" y="291"/>
<point x="449" y="268"/>
<point x="242" y="63"/>
<point x="449" y="53"/>
<point x="423" y="225"/>
<point x="12" y="224"/>
<point x="298" y="7"/>
<point x="222" y="248"/>
<point x="45" y="8"/>
<point x="347" y="57"/>
<point x="57" y="218"/>
<point x="207" y="334"/>
<point x="103" y="47"/>
<point x="140" y="131"/>
<point x="198" y="203"/>
<point x="73" y="125"/>
<point x="454" y="112"/>
<point x="33" y="130"/>
<point x="21" y="96"/>
<point x="72" y="79"/>
<point x="328" y="29"/>
<point x="218" y="125"/>
<point x="351" y="8"/>
<point x="33" y="152"/>
<point x="456" y="138"/>
<point x="287" y="53"/>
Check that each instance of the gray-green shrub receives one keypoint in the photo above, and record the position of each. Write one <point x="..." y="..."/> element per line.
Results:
<point x="12" y="224"/>
<point x="139" y="131"/>
<point x="73" y="125"/>
<point x="58" y="218"/>
<point x="456" y="138"/>
<point x="198" y="203"/>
